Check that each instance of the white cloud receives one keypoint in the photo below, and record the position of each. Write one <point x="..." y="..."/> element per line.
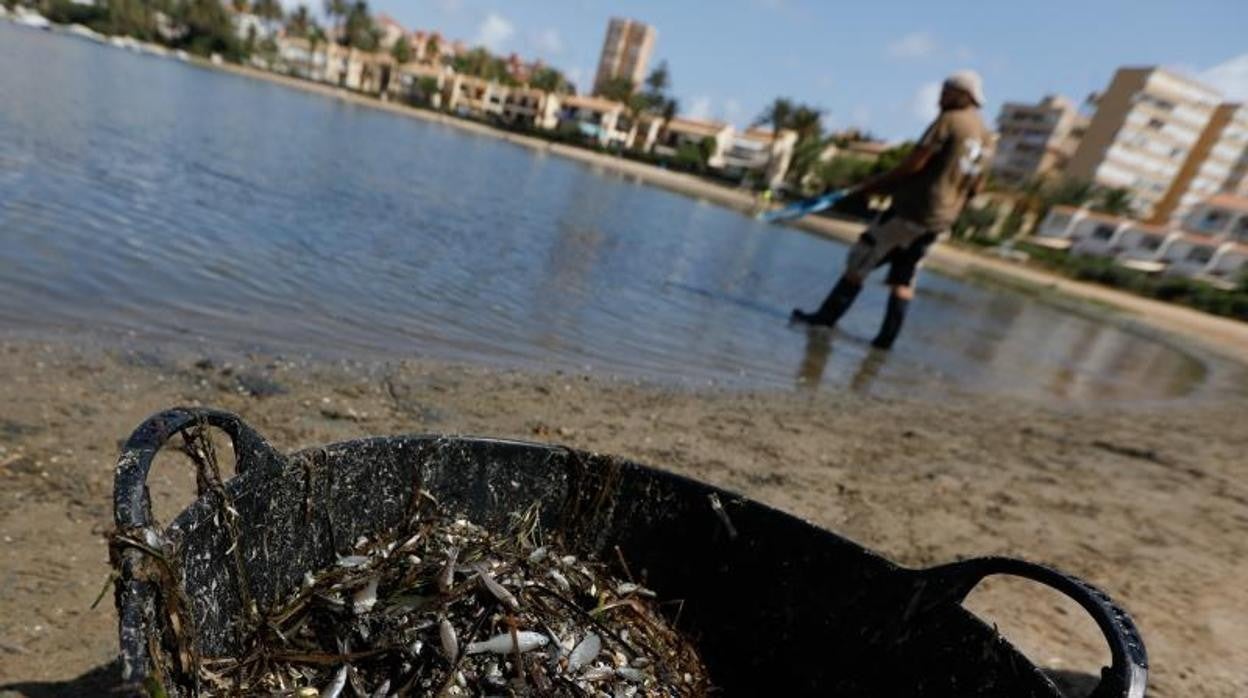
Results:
<point x="913" y="45"/>
<point x="1229" y="77"/>
<point x="733" y="111"/>
<point x="699" y="108"/>
<point x="494" y="30"/>
<point x="548" y="41"/>
<point x="926" y="103"/>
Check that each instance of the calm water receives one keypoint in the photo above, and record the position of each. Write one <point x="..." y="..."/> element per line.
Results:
<point x="139" y="193"/>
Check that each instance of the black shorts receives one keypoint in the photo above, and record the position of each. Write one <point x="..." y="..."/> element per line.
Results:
<point x="903" y="262"/>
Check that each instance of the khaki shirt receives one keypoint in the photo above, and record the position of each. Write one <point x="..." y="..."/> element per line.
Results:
<point x="934" y="196"/>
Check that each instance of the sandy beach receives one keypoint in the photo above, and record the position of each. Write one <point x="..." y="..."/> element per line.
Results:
<point x="1148" y="503"/>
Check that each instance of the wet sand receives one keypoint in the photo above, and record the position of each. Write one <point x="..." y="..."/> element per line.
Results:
<point x="1149" y="503"/>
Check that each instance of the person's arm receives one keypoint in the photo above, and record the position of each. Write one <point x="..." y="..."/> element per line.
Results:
<point x="931" y="141"/>
<point x="913" y="164"/>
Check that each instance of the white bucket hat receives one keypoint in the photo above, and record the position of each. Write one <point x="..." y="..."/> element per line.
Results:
<point x="969" y="82"/>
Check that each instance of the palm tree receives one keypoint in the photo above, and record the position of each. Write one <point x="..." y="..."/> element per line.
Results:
<point x="807" y="121"/>
<point x="401" y="51"/>
<point x="777" y="115"/>
<point x="299" y="24"/>
<point x="1115" y="201"/>
<point x="268" y="9"/>
<point x="240" y="6"/>
<point x="336" y="10"/>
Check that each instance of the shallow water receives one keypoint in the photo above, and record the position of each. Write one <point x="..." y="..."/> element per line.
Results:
<point x="142" y="194"/>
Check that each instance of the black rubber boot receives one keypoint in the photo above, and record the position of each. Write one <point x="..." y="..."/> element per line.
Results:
<point x="834" y="306"/>
<point x="893" y="317"/>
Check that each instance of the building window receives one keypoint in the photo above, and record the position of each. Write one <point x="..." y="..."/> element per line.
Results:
<point x="1241" y="229"/>
<point x="1156" y="124"/>
<point x="1103" y="232"/>
<point x="1200" y="255"/>
<point x="1213" y="221"/>
<point x="1150" y="243"/>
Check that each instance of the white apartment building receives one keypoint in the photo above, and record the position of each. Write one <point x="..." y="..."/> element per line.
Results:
<point x="1146" y="125"/>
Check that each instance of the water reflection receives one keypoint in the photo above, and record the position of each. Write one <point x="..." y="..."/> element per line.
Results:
<point x="140" y="194"/>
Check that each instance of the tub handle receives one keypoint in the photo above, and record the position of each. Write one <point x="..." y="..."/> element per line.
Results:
<point x="1127" y="677"/>
<point x="132" y="514"/>
<point x="132" y="507"/>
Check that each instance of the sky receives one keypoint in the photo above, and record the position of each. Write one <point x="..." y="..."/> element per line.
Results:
<point x="875" y="65"/>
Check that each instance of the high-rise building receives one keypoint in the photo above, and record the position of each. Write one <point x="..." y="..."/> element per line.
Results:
<point x="625" y="52"/>
<point x="1036" y="139"/>
<point x="1146" y="125"/>
<point x="1217" y="163"/>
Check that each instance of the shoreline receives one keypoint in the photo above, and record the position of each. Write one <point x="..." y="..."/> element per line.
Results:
<point x="1146" y="503"/>
<point x="1222" y="336"/>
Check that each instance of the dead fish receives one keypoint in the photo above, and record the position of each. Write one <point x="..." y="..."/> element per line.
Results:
<point x="526" y="641"/>
<point x="365" y="598"/>
<point x="352" y="561"/>
<point x="628" y="673"/>
<point x="450" y="643"/>
<point x="447" y="579"/>
<point x="598" y="673"/>
<point x="383" y="690"/>
<point x="333" y="688"/>
<point x="585" y="652"/>
<point x="630" y="588"/>
<point x="498" y="590"/>
<point x="561" y="580"/>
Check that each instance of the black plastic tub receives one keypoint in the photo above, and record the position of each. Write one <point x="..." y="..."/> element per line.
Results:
<point x="776" y="605"/>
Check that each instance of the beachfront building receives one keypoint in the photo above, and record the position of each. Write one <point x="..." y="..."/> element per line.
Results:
<point x="389" y="31"/>
<point x="1210" y="245"/>
<point x="713" y="137"/>
<point x="1218" y="163"/>
<point x="1035" y="140"/>
<point x="474" y="97"/>
<point x="301" y="58"/>
<point x="421" y="82"/>
<point x="760" y="155"/>
<point x="596" y="118"/>
<point x="1146" y="124"/>
<point x="529" y="107"/>
<point x="625" y="52"/>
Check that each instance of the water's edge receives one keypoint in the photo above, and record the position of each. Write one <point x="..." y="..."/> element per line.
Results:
<point x="1223" y="337"/>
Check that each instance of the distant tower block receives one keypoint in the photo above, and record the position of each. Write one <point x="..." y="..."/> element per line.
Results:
<point x="625" y="52"/>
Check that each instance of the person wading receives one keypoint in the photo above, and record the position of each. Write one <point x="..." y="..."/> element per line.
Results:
<point x="929" y="189"/>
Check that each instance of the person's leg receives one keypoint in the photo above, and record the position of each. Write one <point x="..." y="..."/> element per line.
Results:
<point x="894" y="315"/>
<point x="901" y="274"/>
<point x="834" y="306"/>
<point x="867" y="253"/>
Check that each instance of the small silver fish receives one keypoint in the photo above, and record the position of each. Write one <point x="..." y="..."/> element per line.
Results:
<point x="630" y="674"/>
<point x="353" y="561"/>
<point x="585" y="652"/>
<point x="447" y="579"/>
<point x="364" y="599"/>
<point x="450" y="643"/>
<point x="498" y="590"/>
<point x="598" y="673"/>
<point x="526" y="641"/>
<point x="333" y="688"/>
<point x="383" y="690"/>
<point x="561" y="580"/>
<point x="537" y="555"/>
